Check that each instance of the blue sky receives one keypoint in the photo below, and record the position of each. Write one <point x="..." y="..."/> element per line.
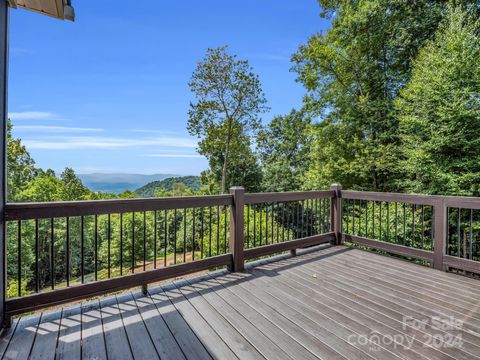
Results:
<point x="109" y="93"/>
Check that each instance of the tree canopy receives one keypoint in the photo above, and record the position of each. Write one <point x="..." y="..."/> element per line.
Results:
<point x="439" y="112"/>
<point x="229" y="100"/>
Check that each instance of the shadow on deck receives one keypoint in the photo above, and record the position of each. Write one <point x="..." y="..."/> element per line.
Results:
<point x="327" y="303"/>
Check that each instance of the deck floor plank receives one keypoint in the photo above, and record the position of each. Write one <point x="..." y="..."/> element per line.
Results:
<point x="70" y="334"/>
<point x="116" y="340"/>
<point x="191" y="346"/>
<point x="312" y="306"/>
<point x="7" y="336"/>
<point x="45" y="343"/>
<point x="93" y="341"/>
<point x="138" y="336"/>
<point x="163" y="340"/>
<point x="23" y="338"/>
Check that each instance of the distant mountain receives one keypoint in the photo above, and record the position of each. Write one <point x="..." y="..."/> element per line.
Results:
<point x="118" y="183"/>
<point x="192" y="182"/>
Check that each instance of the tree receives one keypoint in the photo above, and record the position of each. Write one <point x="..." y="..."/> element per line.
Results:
<point x="439" y="111"/>
<point x="283" y="148"/>
<point x="353" y="74"/>
<point x="20" y="166"/>
<point x="72" y="186"/>
<point x="229" y="100"/>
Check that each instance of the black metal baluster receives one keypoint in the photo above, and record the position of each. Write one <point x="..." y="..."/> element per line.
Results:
<point x="109" y="240"/>
<point x="184" y="235"/>
<point x="396" y="222"/>
<point x="52" y="254"/>
<point x="193" y="234"/>
<point x="82" y="248"/>
<point x="297" y="233"/>
<point x="37" y="275"/>
<point x="210" y="231"/>
<point x="277" y="222"/>
<point x="423" y="226"/>
<point x="19" y="254"/>
<point x="226" y="218"/>
<point x="388" y="221"/>
<point x="174" y="236"/>
<point x="373" y="220"/>
<point x="155" y="235"/>
<point x="470" y="244"/>
<point x="321" y="226"/>
<point x="201" y="233"/>
<point x="96" y="248"/>
<point x="458" y="232"/>
<point x="413" y="226"/>
<point x="366" y="218"/>
<point x="260" y="226"/>
<point x="404" y="224"/>
<point x="283" y="222"/>
<point x="273" y="226"/>
<point x="266" y="223"/>
<point x="133" y="243"/>
<point x="346" y="218"/>
<point x="380" y="214"/>
<point x="121" y="244"/>
<point x="353" y="216"/>
<point x="165" y="237"/>
<point x="218" y="230"/>
<point x="144" y="241"/>
<point x="254" y="226"/>
<point x="248" y="227"/>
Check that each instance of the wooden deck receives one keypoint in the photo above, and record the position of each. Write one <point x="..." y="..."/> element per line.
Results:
<point x="331" y="303"/>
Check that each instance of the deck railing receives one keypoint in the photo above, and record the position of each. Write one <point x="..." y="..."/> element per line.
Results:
<point x="64" y="251"/>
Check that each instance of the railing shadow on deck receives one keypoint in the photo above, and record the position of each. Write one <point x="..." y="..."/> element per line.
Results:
<point x="122" y="313"/>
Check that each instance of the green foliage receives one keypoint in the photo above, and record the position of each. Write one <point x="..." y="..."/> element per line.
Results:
<point x="168" y="184"/>
<point x="439" y="112"/>
<point x="229" y="100"/>
<point x="283" y="148"/>
<point x="20" y="166"/>
<point x="352" y="74"/>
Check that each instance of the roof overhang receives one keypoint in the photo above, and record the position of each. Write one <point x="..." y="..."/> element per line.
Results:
<point x="60" y="9"/>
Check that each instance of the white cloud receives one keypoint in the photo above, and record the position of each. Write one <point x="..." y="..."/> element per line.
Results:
<point x="92" y="142"/>
<point x="34" y="115"/>
<point x="53" y="129"/>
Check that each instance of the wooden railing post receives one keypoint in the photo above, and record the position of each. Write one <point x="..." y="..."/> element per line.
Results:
<point x="336" y="213"/>
<point x="236" y="228"/>
<point x="439" y="233"/>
